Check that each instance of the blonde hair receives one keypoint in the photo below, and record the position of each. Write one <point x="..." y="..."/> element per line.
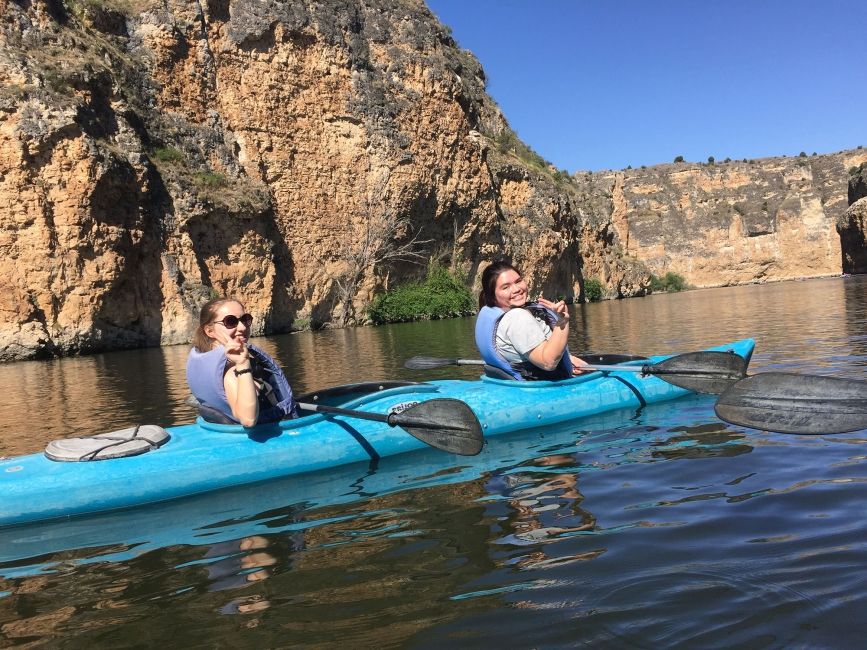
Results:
<point x="201" y="341"/>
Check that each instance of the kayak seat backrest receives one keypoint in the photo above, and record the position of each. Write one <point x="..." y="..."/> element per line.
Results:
<point x="497" y="373"/>
<point x="104" y="446"/>
<point x="215" y="416"/>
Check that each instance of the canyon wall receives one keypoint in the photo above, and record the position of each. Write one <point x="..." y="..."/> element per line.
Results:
<point x="296" y="155"/>
<point x="304" y="156"/>
<point x="853" y="224"/>
<point x="736" y="222"/>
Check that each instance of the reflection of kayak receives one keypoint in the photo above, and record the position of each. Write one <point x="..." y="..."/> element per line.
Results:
<point x="295" y="504"/>
<point x="203" y="457"/>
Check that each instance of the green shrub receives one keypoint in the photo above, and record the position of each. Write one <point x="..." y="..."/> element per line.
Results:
<point x="168" y="155"/>
<point x="678" y="159"/>
<point x="441" y="295"/>
<point x="669" y="282"/>
<point x="803" y="154"/>
<point x="710" y="160"/>
<point x="593" y="290"/>
<point x="210" y="179"/>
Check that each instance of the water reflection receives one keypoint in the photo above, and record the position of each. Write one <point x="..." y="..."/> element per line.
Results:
<point x="657" y="528"/>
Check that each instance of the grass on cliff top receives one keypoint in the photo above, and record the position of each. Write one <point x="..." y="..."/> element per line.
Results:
<point x="441" y="295"/>
<point x="507" y="142"/>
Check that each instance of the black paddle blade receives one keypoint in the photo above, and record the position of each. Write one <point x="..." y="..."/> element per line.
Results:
<point x="790" y="403"/>
<point x="427" y="363"/>
<point x="702" y="372"/>
<point x="446" y="424"/>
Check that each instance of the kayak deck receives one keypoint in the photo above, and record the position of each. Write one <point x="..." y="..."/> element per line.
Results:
<point x="204" y="457"/>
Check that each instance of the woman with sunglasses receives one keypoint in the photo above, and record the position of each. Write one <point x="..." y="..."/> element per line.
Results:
<point x="227" y="373"/>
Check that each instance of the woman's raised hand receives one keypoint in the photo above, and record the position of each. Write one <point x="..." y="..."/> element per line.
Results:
<point x="560" y="308"/>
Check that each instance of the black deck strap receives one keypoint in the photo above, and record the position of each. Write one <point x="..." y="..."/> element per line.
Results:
<point x="634" y="390"/>
<point x="360" y="439"/>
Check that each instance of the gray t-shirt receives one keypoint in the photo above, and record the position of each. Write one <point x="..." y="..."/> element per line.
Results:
<point x="519" y="333"/>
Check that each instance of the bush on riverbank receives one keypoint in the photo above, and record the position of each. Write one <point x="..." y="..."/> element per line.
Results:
<point x="593" y="290"/>
<point x="669" y="282"/>
<point x="441" y="295"/>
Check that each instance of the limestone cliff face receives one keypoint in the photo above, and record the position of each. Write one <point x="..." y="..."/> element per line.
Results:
<point x="155" y="153"/>
<point x="853" y="224"/>
<point x="735" y="222"/>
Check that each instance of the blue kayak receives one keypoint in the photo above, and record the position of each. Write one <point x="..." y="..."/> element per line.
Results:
<point x="204" y="457"/>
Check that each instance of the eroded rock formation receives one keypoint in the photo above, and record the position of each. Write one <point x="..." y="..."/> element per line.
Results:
<point x="736" y="222"/>
<point x="853" y="224"/>
<point x="153" y="154"/>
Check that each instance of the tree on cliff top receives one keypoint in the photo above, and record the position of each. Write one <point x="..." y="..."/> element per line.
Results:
<point x="378" y="236"/>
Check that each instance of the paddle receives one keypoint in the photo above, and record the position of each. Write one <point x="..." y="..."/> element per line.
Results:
<point x="702" y="372"/>
<point x="445" y="423"/>
<point x="793" y="403"/>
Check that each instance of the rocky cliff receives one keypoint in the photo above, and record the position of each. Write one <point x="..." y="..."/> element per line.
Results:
<point x="297" y="155"/>
<point x="853" y="224"/>
<point x="303" y="155"/>
<point x="736" y="222"/>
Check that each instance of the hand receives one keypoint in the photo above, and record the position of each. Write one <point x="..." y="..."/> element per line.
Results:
<point x="559" y="308"/>
<point x="236" y="350"/>
<point x="578" y="365"/>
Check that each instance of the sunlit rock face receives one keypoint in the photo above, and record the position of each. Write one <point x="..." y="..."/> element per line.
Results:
<point x="735" y="222"/>
<point x="303" y="156"/>
<point x="853" y="224"/>
<point x="154" y="154"/>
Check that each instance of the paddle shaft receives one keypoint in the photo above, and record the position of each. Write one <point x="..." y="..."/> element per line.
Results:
<point x="336" y="410"/>
<point x="645" y="369"/>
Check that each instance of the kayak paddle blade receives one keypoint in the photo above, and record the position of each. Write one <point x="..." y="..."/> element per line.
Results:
<point x="447" y="424"/>
<point x="793" y="403"/>
<point x="701" y="372"/>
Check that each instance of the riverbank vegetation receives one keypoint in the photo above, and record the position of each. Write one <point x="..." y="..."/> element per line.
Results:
<point x="669" y="282"/>
<point x="442" y="294"/>
<point x="593" y="291"/>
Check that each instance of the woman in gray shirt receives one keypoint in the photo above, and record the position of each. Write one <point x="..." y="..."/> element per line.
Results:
<point x="530" y="336"/>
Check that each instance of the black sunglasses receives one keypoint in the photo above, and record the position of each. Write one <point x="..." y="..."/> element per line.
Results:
<point x="231" y="322"/>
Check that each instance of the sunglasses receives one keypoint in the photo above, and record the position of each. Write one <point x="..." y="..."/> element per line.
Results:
<point x="231" y="322"/>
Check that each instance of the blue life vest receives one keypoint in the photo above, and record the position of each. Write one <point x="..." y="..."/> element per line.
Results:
<point x="205" y="372"/>
<point x="486" y="341"/>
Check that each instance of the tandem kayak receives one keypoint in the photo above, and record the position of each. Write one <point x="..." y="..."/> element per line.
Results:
<point x="204" y="457"/>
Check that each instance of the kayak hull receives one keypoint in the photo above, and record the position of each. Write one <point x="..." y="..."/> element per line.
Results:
<point x="204" y="457"/>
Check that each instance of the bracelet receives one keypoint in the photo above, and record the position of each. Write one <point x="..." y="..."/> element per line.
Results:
<point x="238" y="373"/>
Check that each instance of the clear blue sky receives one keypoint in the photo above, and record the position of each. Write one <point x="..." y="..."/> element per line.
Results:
<point x="602" y="84"/>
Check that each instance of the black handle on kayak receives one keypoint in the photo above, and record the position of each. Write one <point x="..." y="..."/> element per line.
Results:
<point x="444" y="423"/>
<point x="702" y="372"/>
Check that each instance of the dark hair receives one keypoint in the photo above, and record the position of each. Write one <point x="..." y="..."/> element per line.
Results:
<point x="488" y="295"/>
<point x="201" y="341"/>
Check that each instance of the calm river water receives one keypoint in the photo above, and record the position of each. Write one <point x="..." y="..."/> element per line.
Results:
<point x="649" y="529"/>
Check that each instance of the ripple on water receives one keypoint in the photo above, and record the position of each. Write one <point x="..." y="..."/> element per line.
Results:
<point x="701" y="607"/>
